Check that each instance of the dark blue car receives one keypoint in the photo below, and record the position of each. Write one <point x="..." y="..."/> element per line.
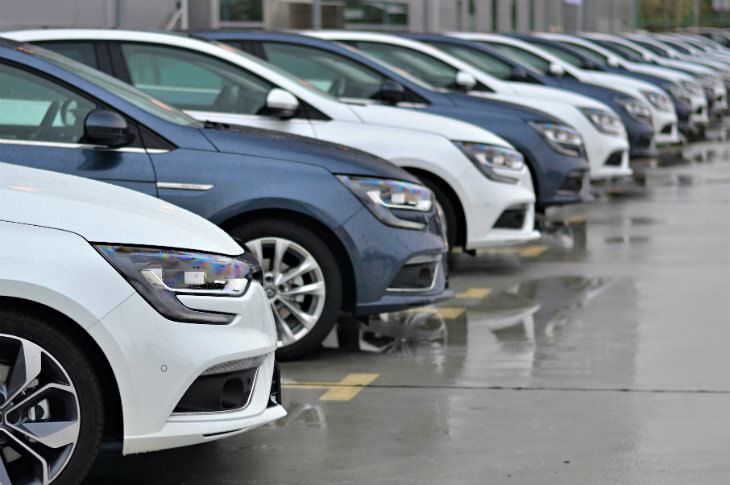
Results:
<point x="559" y="170"/>
<point x="641" y="132"/>
<point x="587" y="59"/>
<point x="305" y="208"/>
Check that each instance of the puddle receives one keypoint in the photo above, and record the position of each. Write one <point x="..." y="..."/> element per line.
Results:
<point x="627" y="240"/>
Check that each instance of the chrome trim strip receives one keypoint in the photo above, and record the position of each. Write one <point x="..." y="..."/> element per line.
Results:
<point x="182" y="186"/>
<point x="86" y="146"/>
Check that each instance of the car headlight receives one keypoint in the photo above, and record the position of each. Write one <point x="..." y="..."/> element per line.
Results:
<point x="389" y="199"/>
<point x="563" y="139"/>
<point x="492" y="159"/>
<point x="679" y="92"/>
<point x="635" y="108"/>
<point x="659" y="101"/>
<point x="160" y="275"/>
<point x="604" y="121"/>
<point x="693" y="88"/>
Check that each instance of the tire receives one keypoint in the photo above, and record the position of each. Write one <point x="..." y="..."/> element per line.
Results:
<point x="449" y="212"/>
<point x="85" y="408"/>
<point x="262" y="238"/>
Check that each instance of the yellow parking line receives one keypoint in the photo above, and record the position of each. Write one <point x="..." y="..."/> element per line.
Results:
<point x="450" y="313"/>
<point x="577" y="220"/>
<point x="345" y="390"/>
<point x="532" y="251"/>
<point x="473" y="293"/>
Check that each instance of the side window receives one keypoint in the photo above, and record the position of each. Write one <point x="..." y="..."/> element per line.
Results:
<point x="480" y="59"/>
<point x="523" y="57"/>
<point x="33" y="108"/>
<point x="327" y="72"/>
<point x="82" y="52"/>
<point x="188" y="80"/>
<point x="424" y="67"/>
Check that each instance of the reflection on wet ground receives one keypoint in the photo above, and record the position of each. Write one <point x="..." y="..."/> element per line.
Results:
<point x="595" y="355"/>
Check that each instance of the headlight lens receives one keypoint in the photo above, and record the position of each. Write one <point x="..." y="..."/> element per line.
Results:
<point x="561" y="138"/>
<point x="659" y="101"/>
<point x="159" y="275"/>
<point x="636" y="109"/>
<point x="386" y="197"/>
<point x="492" y="159"/>
<point x="693" y="88"/>
<point x="604" y="121"/>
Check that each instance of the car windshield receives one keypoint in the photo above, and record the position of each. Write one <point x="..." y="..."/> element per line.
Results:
<point x="563" y="54"/>
<point x="677" y="46"/>
<point x="114" y="86"/>
<point x="660" y="51"/>
<point x="621" y="50"/>
<point x="477" y="58"/>
<point x="526" y="58"/>
<point x="596" y="57"/>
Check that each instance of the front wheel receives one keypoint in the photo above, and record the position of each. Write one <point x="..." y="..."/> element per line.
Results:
<point x="51" y="407"/>
<point x="301" y="279"/>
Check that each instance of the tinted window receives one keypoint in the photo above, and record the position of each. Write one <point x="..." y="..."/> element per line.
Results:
<point x="328" y="72"/>
<point x="677" y="46"/>
<point x="477" y="58"/>
<point x="564" y="55"/>
<point x="84" y="53"/>
<point x="33" y="108"/>
<point x="417" y="64"/>
<point x="596" y="57"/>
<point x="621" y="50"/>
<point x="522" y="56"/>
<point x="193" y="81"/>
<point x="656" y="50"/>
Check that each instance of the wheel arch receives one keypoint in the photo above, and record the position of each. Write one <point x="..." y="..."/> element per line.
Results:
<point x="113" y="415"/>
<point x="331" y="239"/>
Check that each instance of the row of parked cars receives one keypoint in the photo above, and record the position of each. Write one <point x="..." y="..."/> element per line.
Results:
<point x="336" y="170"/>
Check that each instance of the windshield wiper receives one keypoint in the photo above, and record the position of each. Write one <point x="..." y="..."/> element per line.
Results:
<point x="216" y="125"/>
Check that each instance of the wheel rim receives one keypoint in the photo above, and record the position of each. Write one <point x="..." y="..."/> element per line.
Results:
<point x="294" y="284"/>
<point x="39" y="413"/>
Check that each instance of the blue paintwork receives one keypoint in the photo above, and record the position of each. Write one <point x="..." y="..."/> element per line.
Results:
<point x="507" y="120"/>
<point x="682" y="108"/>
<point x="640" y="134"/>
<point x="251" y="170"/>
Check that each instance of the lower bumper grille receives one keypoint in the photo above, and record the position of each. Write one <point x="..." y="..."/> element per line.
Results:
<point x="668" y="129"/>
<point x="615" y="159"/>
<point x="216" y="393"/>
<point x="418" y="274"/>
<point x="512" y="218"/>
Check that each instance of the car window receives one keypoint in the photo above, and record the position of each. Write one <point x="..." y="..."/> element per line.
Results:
<point x="193" y="81"/>
<point x="522" y="56"/>
<point x="653" y="48"/>
<point x="677" y="46"/>
<point x="596" y="57"/>
<point x="82" y="52"/>
<point x="477" y="58"/>
<point x="433" y="71"/>
<point x="622" y="50"/>
<point x="564" y="55"/>
<point x="33" y="108"/>
<point x="328" y="72"/>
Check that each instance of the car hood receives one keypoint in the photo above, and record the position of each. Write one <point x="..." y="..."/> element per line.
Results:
<point x="337" y="159"/>
<point x="428" y="123"/>
<point x="622" y="83"/>
<point x="501" y="109"/>
<point x="554" y="95"/>
<point x="101" y="212"/>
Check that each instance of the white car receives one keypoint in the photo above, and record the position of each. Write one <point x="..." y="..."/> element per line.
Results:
<point x="569" y="107"/>
<point x="122" y="313"/>
<point x="430" y="146"/>
<point x="686" y="87"/>
<point x="706" y="76"/>
<point x="552" y="65"/>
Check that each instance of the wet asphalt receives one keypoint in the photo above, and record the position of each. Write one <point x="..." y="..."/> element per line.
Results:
<point x="596" y="355"/>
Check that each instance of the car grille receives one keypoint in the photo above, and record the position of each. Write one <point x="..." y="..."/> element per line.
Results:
<point x="512" y="218"/>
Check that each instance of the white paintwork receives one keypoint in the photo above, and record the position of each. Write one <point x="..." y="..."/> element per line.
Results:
<point x="47" y="221"/>
<point x="697" y="102"/>
<point x="696" y="69"/>
<point x="406" y="137"/>
<point x="617" y="82"/>
<point x="559" y="103"/>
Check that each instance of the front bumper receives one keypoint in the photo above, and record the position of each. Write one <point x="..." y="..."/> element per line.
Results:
<point x="379" y="254"/>
<point x="155" y="361"/>
<point x="666" y="126"/>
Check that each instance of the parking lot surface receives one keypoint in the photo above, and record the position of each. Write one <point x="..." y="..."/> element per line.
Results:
<point x="596" y="355"/>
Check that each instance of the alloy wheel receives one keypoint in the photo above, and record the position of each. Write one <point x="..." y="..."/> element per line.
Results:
<point x="294" y="284"/>
<point x="39" y="413"/>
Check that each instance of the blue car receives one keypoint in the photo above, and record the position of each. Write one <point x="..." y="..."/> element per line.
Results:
<point x="586" y="59"/>
<point x="641" y="133"/>
<point x="559" y="170"/>
<point x="337" y="231"/>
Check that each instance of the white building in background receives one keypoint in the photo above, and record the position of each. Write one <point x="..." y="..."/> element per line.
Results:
<point x="416" y="15"/>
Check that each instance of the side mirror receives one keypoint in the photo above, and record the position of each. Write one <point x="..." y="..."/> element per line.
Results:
<point x="465" y="81"/>
<point x="557" y="70"/>
<point x="646" y="57"/>
<point x="613" y="62"/>
<point x="391" y="92"/>
<point x="107" y="128"/>
<point x="281" y="104"/>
